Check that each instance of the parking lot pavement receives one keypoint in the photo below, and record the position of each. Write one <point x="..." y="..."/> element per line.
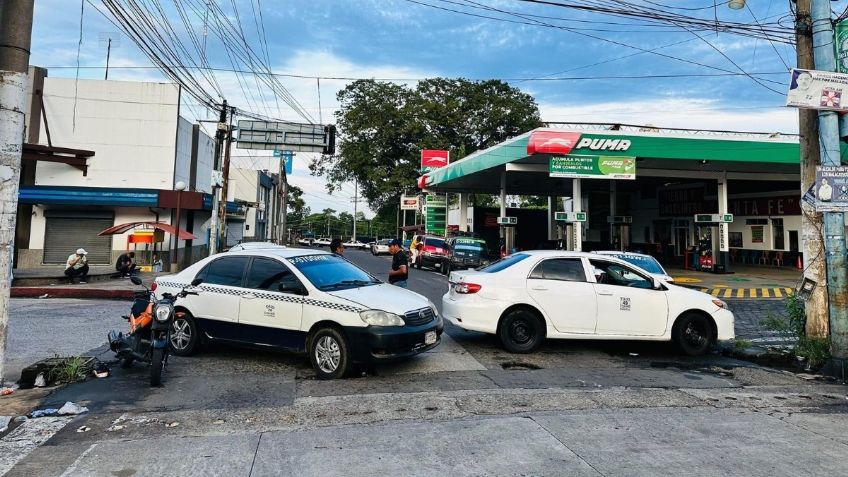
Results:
<point x="750" y="315"/>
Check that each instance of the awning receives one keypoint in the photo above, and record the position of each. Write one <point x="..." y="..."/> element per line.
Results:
<point x="170" y="229"/>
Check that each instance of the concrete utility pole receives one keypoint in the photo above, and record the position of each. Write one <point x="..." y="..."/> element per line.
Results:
<point x="220" y="134"/>
<point x="222" y="205"/>
<point x="15" y="37"/>
<point x="284" y="207"/>
<point x="811" y="221"/>
<point x="834" y="222"/>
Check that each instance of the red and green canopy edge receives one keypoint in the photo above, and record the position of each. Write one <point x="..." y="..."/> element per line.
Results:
<point x="677" y="147"/>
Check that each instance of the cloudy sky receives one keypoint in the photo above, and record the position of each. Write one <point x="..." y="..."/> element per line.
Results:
<point x="580" y="65"/>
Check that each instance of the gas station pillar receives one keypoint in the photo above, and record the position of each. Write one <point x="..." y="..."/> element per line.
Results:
<point x="723" y="236"/>
<point x="552" y="224"/>
<point x="463" y="212"/>
<point x="577" y="206"/>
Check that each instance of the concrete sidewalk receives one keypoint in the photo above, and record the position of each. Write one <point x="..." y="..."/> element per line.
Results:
<point x="112" y="288"/>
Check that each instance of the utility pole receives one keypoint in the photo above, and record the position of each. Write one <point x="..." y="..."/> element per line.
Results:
<point x="811" y="221"/>
<point x="284" y="209"/>
<point x="222" y="205"/>
<point x="834" y="222"/>
<point x="355" y="204"/>
<point x="220" y="133"/>
<point x="15" y="37"/>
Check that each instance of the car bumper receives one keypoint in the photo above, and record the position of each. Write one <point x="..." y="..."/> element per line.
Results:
<point x="472" y="313"/>
<point x="378" y="343"/>
<point x="725" y="325"/>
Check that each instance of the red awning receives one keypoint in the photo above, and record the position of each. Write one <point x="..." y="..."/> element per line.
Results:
<point x="167" y="228"/>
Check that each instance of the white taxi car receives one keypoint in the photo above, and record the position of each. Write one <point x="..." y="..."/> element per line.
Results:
<point x="300" y="300"/>
<point x="529" y="296"/>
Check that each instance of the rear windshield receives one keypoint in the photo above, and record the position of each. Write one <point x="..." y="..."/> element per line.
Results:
<point x="432" y="242"/>
<point x="649" y="264"/>
<point x="504" y="263"/>
<point x="468" y="245"/>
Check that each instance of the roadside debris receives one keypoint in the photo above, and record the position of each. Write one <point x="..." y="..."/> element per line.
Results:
<point x="634" y="354"/>
<point x="40" y="381"/>
<point x="83" y="429"/>
<point x="44" y="296"/>
<point x="101" y="371"/>
<point x="6" y="391"/>
<point x="44" y="413"/>
<point x="71" y="409"/>
<point x="116" y="427"/>
<point x="172" y="424"/>
<point x="4" y="423"/>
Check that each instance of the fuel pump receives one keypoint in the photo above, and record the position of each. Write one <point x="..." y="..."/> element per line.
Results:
<point x="570" y="226"/>
<point x="713" y="241"/>
<point x="620" y="227"/>
<point x="508" y="233"/>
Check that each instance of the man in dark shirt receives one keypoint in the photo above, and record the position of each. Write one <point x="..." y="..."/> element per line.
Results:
<point x="336" y="247"/>
<point x="126" y="264"/>
<point x="399" y="272"/>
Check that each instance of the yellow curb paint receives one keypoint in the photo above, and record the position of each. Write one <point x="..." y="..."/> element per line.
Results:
<point x="753" y="292"/>
<point x="788" y="291"/>
<point x="721" y="285"/>
<point x="765" y="292"/>
<point x="777" y="293"/>
<point x="727" y="293"/>
<point x="740" y="293"/>
<point x="715" y="292"/>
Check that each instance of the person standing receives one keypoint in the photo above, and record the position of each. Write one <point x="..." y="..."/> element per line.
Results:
<point x="413" y="249"/>
<point x="336" y="247"/>
<point x="77" y="266"/>
<point x="126" y="264"/>
<point x="400" y="270"/>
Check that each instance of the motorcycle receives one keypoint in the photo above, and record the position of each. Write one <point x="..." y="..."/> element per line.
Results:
<point x="150" y="321"/>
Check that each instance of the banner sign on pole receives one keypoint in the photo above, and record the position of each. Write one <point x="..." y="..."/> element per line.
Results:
<point x="832" y="189"/>
<point x="432" y="159"/>
<point x="592" y="167"/>
<point x="287" y="156"/>
<point x="436" y="214"/>
<point x="812" y="89"/>
<point x="268" y="135"/>
<point x="840" y="35"/>
<point x="409" y="202"/>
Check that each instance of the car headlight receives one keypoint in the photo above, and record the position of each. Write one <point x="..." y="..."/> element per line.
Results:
<point x="163" y="312"/>
<point x="720" y="303"/>
<point x="381" y="318"/>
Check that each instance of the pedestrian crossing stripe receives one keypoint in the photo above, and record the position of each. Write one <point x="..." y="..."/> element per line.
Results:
<point x="748" y="293"/>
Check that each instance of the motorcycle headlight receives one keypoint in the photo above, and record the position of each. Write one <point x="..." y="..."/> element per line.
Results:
<point x="381" y="318"/>
<point x="163" y="312"/>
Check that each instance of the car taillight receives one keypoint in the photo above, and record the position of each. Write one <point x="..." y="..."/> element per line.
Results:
<point x="466" y="288"/>
<point x="153" y="286"/>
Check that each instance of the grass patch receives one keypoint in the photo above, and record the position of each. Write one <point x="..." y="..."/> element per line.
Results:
<point x="740" y="344"/>
<point x="68" y="370"/>
<point x="792" y="327"/>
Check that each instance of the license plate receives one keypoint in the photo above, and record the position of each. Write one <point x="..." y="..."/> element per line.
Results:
<point x="429" y="337"/>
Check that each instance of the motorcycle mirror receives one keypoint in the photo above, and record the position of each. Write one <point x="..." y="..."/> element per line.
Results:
<point x="196" y="281"/>
<point x="135" y="280"/>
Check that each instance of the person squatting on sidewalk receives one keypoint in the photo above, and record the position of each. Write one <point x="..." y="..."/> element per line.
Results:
<point x="77" y="266"/>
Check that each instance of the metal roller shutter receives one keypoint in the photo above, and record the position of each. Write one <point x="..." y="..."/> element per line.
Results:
<point x="235" y="232"/>
<point x="63" y="235"/>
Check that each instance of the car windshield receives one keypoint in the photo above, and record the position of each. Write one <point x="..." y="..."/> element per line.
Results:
<point x="504" y="263"/>
<point x="433" y="242"/>
<point x="331" y="272"/>
<point x="647" y="263"/>
<point x="469" y="247"/>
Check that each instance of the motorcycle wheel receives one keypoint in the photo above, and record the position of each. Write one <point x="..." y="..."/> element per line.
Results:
<point x="157" y="362"/>
<point x="126" y="362"/>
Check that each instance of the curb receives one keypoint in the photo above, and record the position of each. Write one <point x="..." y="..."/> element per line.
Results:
<point x="76" y="292"/>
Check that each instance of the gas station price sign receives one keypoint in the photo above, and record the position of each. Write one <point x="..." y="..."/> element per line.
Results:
<point x="713" y="218"/>
<point x="592" y="167"/>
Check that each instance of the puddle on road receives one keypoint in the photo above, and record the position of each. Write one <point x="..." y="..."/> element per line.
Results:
<point x="519" y="365"/>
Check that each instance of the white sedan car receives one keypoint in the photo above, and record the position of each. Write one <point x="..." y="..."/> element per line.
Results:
<point x="529" y="296"/>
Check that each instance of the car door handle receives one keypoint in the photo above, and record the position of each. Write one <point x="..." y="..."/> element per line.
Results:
<point x="605" y="293"/>
<point x="540" y="288"/>
<point x="248" y="296"/>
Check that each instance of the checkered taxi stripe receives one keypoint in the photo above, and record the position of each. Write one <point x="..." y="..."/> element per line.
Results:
<point x="268" y="296"/>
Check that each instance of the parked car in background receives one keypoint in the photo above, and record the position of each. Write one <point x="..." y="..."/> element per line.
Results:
<point x="380" y="247"/>
<point x="645" y="262"/>
<point x="529" y="296"/>
<point x="463" y="253"/>
<point x="305" y="241"/>
<point x="322" y="242"/>
<point x="304" y="301"/>
<point x="354" y="244"/>
<point x="432" y="252"/>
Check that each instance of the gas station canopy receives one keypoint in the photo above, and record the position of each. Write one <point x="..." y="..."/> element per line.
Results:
<point x="666" y="153"/>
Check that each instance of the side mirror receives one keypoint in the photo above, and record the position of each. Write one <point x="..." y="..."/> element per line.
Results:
<point x="196" y="281"/>
<point x="136" y="280"/>
<point x="293" y="288"/>
<point x="656" y="284"/>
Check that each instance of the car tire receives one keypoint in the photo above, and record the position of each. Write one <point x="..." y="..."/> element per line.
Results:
<point x="521" y="331"/>
<point x="445" y="269"/>
<point x="693" y="334"/>
<point x="185" y="335"/>
<point x="329" y="353"/>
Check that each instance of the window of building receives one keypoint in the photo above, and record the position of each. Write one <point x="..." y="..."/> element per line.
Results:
<point x="777" y="229"/>
<point x="568" y="270"/>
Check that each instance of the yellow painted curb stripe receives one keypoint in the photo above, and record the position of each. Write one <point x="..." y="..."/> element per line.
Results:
<point x="715" y="292"/>
<point x="789" y="291"/>
<point x="765" y="292"/>
<point x="777" y="293"/>
<point x="753" y="292"/>
<point x="728" y="292"/>
<point x="740" y="293"/>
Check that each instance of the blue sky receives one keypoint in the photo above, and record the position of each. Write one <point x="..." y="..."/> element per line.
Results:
<point x="407" y="40"/>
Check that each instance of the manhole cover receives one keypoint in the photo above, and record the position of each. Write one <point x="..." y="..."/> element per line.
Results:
<point x="518" y="365"/>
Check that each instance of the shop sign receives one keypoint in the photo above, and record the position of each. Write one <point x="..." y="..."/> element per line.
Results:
<point x="593" y="167"/>
<point x="432" y="159"/>
<point x="832" y="189"/>
<point x="409" y="202"/>
<point x="766" y="206"/>
<point x="435" y="214"/>
<point x="564" y="142"/>
<point x="757" y="234"/>
<point x="683" y="202"/>
<point x="822" y="90"/>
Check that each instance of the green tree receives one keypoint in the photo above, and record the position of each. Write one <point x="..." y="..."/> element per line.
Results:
<point x="384" y="126"/>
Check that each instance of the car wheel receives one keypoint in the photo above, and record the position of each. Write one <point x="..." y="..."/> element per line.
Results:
<point x="328" y="352"/>
<point x="446" y="268"/>
<point x="693" y="333"/>
<point x="185" y="336"/>
<point x="521" y="331"/>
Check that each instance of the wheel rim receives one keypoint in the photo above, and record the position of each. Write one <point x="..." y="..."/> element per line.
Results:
<point x="328" y="354"/>
<point x="695" y="334"/>
<point x="180" y="334"/>
<point x="519" y="331"/>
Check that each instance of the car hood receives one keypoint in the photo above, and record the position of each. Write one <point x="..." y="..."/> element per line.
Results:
<point x="384" y="297"/>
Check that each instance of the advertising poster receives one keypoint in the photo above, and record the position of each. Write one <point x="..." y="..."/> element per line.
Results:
<point x="831" y="188"/>
<point x="593" y="167"/>
<point x="822" y="90"/>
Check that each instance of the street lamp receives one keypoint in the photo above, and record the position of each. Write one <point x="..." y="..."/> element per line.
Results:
<point x="736" y="4"/>
<point x="179" y="187"/>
